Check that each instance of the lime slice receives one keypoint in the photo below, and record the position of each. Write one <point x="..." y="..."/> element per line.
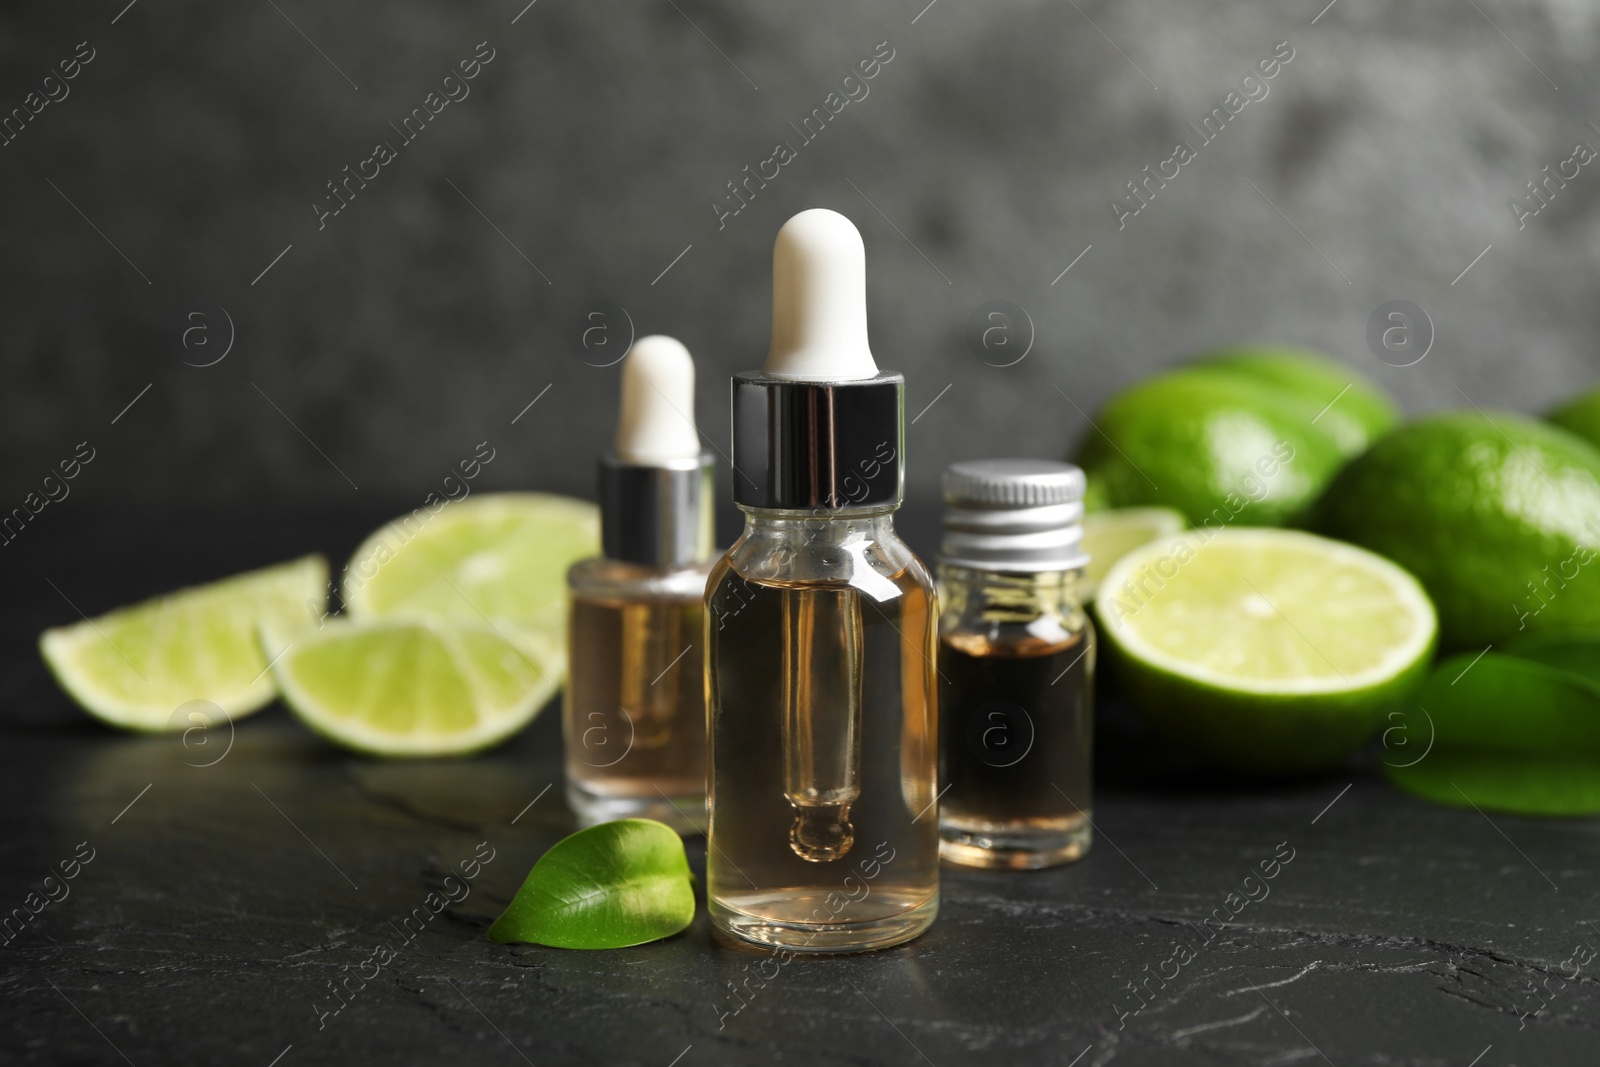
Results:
<point x="137" y="665"/>
<point x="415" y="687"/>
<point x="1110" y="535"/>
<point x="1267" y="651"/>
<point x="496" y="556"/>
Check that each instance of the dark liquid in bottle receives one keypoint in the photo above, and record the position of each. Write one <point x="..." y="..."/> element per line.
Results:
<point x="1016" y="732"/>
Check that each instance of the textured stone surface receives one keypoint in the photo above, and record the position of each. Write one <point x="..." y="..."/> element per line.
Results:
<point x="222" y="899"/>
<point x="982" y="162"/>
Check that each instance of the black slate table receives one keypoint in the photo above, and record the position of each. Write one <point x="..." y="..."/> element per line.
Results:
<point x="220" y="903"/>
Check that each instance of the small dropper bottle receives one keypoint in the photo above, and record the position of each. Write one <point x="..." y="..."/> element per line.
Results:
<point x="820" y="631"/>
<point x="1016" y="666"/>
<point x="634" y="713"/>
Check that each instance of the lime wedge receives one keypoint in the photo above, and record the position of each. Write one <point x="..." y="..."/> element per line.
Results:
<point x="137" y="665"/>
<point x="1266" y="651"/>
<point x="415" y="687"/>
<point x="1110" y="535"/>
<point x="499" y="556"/>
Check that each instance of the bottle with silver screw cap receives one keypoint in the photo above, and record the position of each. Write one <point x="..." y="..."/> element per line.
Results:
<point x="1016" y="666"/>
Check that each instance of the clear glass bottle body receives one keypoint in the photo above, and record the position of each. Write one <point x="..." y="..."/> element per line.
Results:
<point x="820" y="638"/>
<point x="634" y="711"/>
<point x="1016" y="695"/>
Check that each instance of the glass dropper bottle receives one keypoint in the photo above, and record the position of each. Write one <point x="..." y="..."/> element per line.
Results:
<point x="634" y="714"/>
<point x="820" y="634"/>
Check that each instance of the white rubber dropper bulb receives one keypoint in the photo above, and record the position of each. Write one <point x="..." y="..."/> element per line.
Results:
<point x="819" y="300"/>
<point x="657" y="420"/>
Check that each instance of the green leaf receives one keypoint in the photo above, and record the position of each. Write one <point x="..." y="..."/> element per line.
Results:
<point x="1518" y="784"/>
<point x="617" y="884"/>
<point x="1577" y="651"/>
<point x="1508" y="733"/>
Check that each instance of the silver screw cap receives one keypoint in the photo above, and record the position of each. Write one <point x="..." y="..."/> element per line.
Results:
<point x="1013" y="515"/>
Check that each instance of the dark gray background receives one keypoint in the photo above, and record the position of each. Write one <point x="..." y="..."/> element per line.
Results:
<point x="410" y="329"/>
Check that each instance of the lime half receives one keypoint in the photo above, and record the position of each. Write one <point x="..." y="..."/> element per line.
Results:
<point x="496" y="556"/>
<point x="415" y="687"/>
<point x="1110" y="535"/>
<point x="137" y="665"/>
<point x="1267" y="651"/>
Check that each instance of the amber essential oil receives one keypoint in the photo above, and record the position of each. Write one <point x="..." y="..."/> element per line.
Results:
<point x="821" y="787"/>
<point x="634" y="714"/>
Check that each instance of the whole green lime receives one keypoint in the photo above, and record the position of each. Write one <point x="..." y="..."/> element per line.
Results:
<point x="1191" y="438"/>
<point x="1217" y="447"/>
<point x="1497" y="514"/>
<point x="1344" y="404"/>
<point x="1580" y="415"/>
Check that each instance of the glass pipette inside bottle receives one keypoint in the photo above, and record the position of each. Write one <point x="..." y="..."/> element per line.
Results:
<point x="821" y="718"/>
